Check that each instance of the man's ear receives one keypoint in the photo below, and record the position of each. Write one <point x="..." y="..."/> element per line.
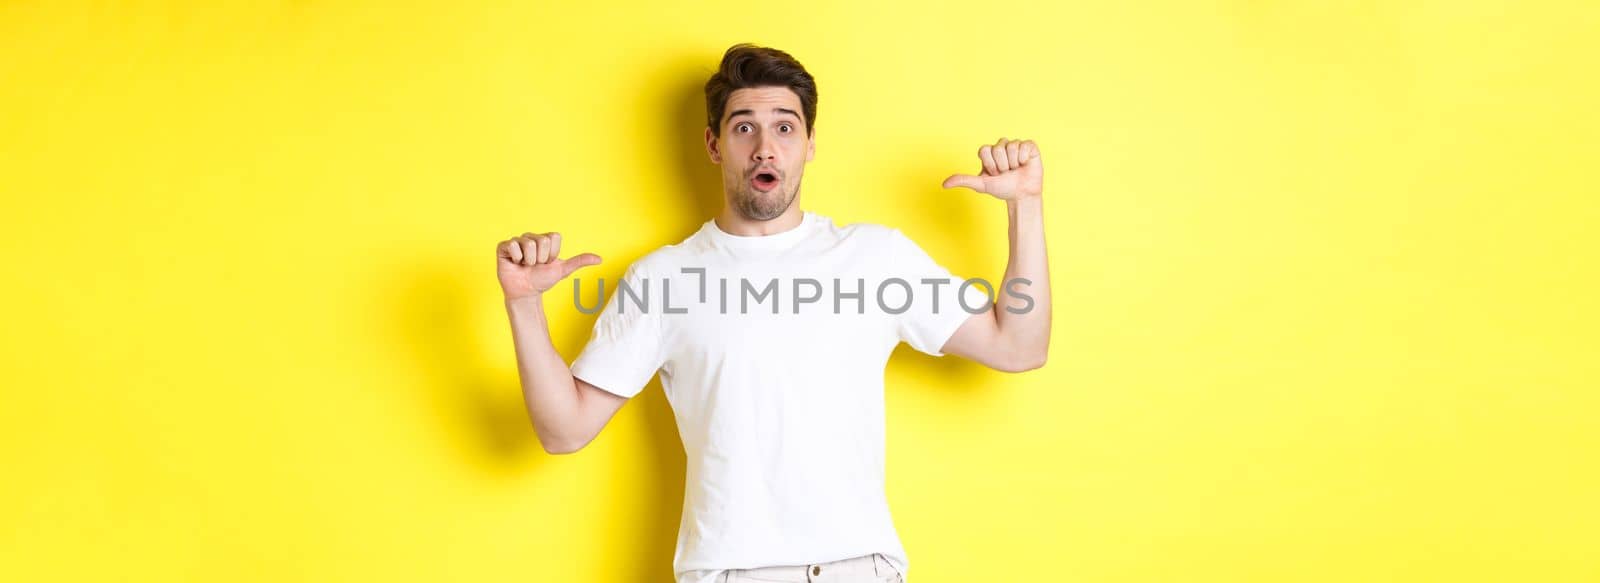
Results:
<point x="811" y="146"/>
<point x="711" y="147"/>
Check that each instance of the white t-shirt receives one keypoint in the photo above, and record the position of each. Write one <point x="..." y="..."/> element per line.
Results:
<point x="774" y="371"/>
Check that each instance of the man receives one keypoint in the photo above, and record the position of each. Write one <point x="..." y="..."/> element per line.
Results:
<point x="777" y="386"/>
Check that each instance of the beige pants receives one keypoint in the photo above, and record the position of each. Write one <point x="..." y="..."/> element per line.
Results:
<point x="873" y="568"/>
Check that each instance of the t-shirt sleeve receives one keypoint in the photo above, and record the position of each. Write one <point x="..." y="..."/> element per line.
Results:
<point x="625" y="349"/>
<point x="935" y="310"/>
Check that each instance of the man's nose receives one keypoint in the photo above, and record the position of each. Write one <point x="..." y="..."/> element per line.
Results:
<point x="763" y="151"/>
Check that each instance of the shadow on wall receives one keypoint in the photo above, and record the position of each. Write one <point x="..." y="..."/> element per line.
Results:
<point x="682" y="136"/>
<point x="433" y="314"/>
<point x="916" y="184"/>
<point x="480" y="408"/>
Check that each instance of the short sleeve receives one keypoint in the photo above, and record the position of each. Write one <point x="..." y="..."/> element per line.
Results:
<point x="625" y="349"/>
<point x="935" y="310"/>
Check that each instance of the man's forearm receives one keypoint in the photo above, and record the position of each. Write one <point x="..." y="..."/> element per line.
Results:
<point x="1027" y="333"/>
<point x="548" y="389"/>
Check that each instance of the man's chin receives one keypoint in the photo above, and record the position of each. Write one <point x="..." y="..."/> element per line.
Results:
<point x="763" y="206"/>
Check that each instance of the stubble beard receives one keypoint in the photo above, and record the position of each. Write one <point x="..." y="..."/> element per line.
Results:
<point x="764" y="206"/>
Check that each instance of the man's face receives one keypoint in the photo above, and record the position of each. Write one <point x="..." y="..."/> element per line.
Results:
<point x="763" y="150"/>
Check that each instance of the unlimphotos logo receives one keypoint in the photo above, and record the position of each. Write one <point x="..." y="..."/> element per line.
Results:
<point x="892" y="295"/>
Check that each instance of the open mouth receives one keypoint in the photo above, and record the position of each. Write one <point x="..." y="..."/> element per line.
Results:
<point x="764" y="181"/>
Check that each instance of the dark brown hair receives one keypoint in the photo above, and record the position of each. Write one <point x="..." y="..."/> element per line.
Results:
<point x="745" y="65"/>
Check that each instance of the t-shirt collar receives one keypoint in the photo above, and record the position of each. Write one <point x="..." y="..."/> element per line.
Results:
<point x="774" y="241"/>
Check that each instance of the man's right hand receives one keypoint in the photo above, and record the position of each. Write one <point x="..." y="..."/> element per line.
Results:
<point x="528" y="265"/>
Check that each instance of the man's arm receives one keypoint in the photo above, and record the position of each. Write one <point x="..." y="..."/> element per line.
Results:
<point x="567" y="413"/>
<point x="1014" y="335"/>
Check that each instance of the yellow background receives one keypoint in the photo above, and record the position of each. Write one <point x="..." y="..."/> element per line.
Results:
<point x="1325" y="283"/>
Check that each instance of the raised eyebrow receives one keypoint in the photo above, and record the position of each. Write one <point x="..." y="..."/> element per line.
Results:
<point x="777" y="110"/>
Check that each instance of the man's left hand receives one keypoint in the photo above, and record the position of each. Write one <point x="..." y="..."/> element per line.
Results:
<point x="1011" y="170"/>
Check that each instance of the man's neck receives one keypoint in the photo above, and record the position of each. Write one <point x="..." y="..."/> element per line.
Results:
<point x="731" y="222"/>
